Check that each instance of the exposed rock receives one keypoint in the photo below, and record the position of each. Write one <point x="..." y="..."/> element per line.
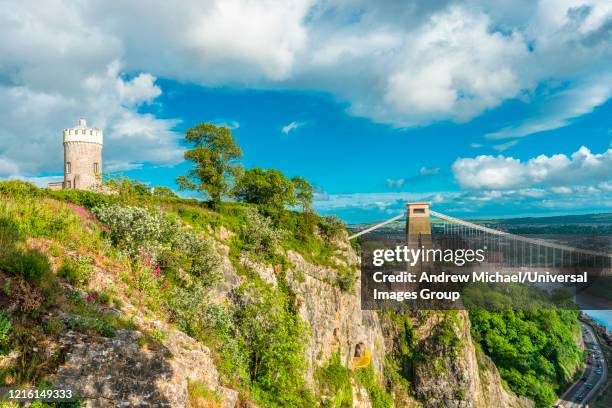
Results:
<point x="454" y="379"/>
<point x="225" y="234"/>
<point x="116" y="372"/>
<point x="361" y="399"/>
<point x="265" y="272"/>
<point x="336" y="320"/>
<point x="120" y="372"/>
<point x="231" y="279"/>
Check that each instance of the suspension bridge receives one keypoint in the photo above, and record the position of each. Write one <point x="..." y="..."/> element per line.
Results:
<point x="503" y="248"/>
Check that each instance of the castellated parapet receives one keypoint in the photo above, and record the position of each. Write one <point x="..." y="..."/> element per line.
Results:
<point x="82" y="157"/>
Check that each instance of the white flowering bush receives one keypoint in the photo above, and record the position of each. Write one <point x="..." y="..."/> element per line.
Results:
<point x="260" y="237"/>
<point x="188" y="307"/>
<point x="135" y="228"/>
<point x="157" y="243"/>
<point x="198" y="256"/>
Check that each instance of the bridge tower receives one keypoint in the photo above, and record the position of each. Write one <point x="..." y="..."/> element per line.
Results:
<point x="418" y="227"/>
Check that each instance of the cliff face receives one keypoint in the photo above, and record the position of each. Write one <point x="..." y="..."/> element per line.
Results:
<point x="147" y="361"/>
<point x="451" y="373"/>
<point x="336" y="320"/>
<point x="442" y="377"/>
<point x="122" y="370"/>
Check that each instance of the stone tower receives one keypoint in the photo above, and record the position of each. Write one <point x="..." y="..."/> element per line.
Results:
<point x="82" y="157"/>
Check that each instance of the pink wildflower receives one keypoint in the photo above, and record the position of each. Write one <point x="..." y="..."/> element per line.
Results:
<point x="92" y="297"/>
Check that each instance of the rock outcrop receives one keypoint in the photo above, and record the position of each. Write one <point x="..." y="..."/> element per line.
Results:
<point x="456" y="377"/>
<point x="128" y="371"/>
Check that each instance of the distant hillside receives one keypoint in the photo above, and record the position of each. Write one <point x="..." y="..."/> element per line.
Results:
<point x="599" y="222"/>
<point x="583" y="219"/>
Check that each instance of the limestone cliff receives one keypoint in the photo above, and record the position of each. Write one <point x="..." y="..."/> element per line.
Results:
<point x="152" y="363"/>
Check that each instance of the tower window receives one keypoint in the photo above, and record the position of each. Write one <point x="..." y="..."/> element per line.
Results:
<point x="68" y="184"/>
<point x="96" y="168"/>
<point x="418" y="211"/>
<point x="68" y="167"/>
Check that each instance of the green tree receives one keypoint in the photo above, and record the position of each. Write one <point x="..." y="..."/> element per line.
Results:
<point x="213" y="152"/>
<point x="127" y="187"/>
<point x="303" y="192"/>
<point x="163" y="191"/>
<point x="268" y="187"/>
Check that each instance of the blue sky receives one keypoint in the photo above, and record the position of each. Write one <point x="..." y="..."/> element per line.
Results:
<point x="484" y="111"/>
<point x="342" y="154"/>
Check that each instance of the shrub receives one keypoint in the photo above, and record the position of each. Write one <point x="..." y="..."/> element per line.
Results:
<point x="188" y="306"/>
<point x="335" y="382"/>
<point x="18" y="188"/>
<point x="132" y="228"/>
<point x="29" y="264"/>
<point x="196" y="255"/>
<point x="87" y="199"/>
<point x="379" y="397"/>
<point x="331" y="227"/>
<point x="88" y="323"/>
<point x="163" y="191"/>
<point x="346" y="281"/>
<point x="259" y="235"/>
<point x="54" y="327"/>
<point x="265" y="186"/>
<point x="77" y="270"/>
<point x="5" y="333"/>
<point x="200" y="396"/>
<point x="275" y="338"/>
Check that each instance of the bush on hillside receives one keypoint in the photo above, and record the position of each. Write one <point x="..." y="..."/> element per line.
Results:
<point x="335" y="382"/>
<point x="275" y="338"/>
<point x="153" y="241"/>
<point x="331" y="227"/>
<point x="29" y="263"/>
<point x="265" y="187"/>
<point x="18" y="188"/>
<point x="195" y="254"/>
<point x="86" y="199"/>
<point x="77" y="270"/>
<point x="135" y="228"/>
<point x="5" y="333"/>
<point x="259" y="235"/>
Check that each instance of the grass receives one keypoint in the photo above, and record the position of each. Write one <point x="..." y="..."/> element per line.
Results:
<point x="258" y="346"/>
<point x="335" y="384"/>
<point x="200" y="396"/>
<point x="379" y="397"/>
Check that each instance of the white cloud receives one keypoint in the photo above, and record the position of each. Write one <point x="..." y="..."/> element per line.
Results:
<point x="429" y="171"/>
<point x="605" y="186"/>
<point x="505" y="146"/>
<point x="52" y="73"/>
<point x="291" y="127"/>
<point x="230" y="124"/>
<point x="401" y="64"/>
<point x="396" y="183"/>
<point x="489" y="172"/>
<point x="560" y="109"/>
<point x="562" y="190"/>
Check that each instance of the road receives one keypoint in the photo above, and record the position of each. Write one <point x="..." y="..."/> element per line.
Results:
<point x="595" y="374"/>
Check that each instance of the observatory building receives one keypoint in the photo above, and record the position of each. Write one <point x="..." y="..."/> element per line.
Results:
<point x="82" y="158"/>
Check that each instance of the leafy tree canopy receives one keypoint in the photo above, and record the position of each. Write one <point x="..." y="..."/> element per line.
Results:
<point x="163" y="191"/>
<point x="270" y="187"/>
<point x="213" y="153"/>
<point x="303" y="192"/>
